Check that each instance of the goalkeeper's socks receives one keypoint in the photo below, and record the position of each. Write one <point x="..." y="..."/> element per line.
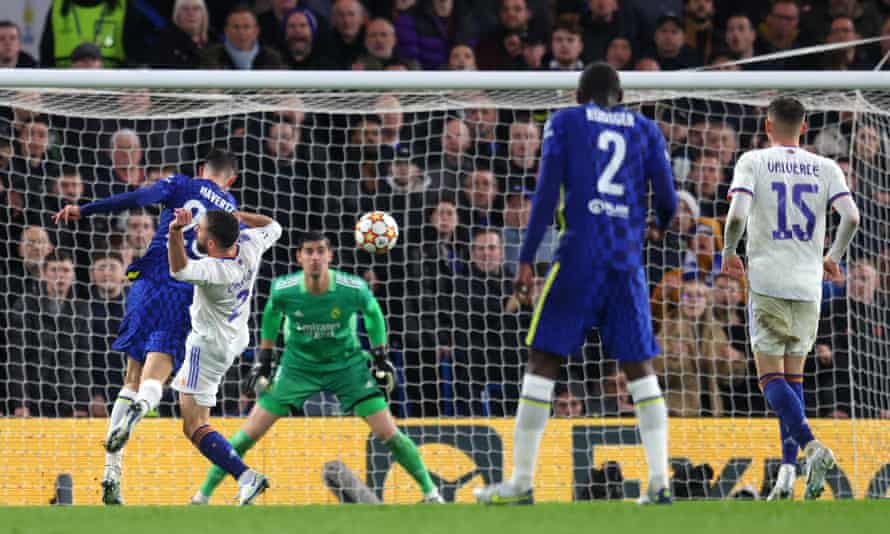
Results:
<point x="119" y="409"/>
<point x="652" y="419"/>
<point x="531" y="419"/>
<point x="406" y="454"/>
<point x="789" y="446"/>
<point x="787" y="406"/>
<point x="219" y="451"/>
<point x="242" y="443"/>
<point x="150" y="392"/>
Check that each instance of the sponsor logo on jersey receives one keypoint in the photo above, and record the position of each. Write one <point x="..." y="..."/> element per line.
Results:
<point x="335" y="313"/>
<point x="599" y="206"/>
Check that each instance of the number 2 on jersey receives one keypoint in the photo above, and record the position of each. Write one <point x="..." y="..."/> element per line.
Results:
<point x="242" y="296"/>
<point x="797" y="191"/>
<point x="609" y="140"/>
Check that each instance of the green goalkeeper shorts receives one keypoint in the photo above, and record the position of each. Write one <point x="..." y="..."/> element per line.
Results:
<point x="354" y="387"/>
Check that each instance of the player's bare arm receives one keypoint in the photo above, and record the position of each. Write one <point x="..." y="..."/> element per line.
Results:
<point x="735" y="228"/>
<point x="847" y="228"/>
<point x="253" y="220"/>
<point x="176" y="255"/>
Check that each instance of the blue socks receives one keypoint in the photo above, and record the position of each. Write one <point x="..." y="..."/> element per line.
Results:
<point x="218" y="450"/>
<point x="784" y="400"/>
<point x="789" y="446"/>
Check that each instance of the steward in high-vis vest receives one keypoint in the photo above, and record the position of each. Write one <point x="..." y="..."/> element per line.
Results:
<point x="112" y="25"/>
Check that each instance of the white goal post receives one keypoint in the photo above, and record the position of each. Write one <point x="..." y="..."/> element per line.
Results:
<point x="317" y="149"/>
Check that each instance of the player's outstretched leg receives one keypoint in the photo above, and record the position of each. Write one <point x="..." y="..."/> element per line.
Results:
<point x="214" y="447"/>
<point x="376" y="412"/>
<point x="784" y="487"/>
<point x="111" y="478"/>
<point x="155" y="372"/>
<point x="531" y="420"/>
<point x="258" y="423"/>
<point x="652" y="419"/>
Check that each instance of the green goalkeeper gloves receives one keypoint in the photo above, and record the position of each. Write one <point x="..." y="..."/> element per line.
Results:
<point x="383" y="370"/>
<point x="257" y="380"/>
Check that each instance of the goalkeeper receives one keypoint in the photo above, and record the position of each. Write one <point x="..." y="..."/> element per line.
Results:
<point x="322" y="352"/>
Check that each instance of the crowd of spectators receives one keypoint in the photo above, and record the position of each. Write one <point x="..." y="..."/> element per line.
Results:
<point x="460" y="182"/>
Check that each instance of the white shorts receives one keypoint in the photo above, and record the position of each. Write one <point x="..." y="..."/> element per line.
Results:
<point x="206" y="363"/>
<point x="781" y="326"/>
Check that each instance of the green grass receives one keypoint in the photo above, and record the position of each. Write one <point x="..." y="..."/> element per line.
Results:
<point x="856" y="517"/>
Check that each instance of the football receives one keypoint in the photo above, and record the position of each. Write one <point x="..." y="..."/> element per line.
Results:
<point x="376" y="232"/>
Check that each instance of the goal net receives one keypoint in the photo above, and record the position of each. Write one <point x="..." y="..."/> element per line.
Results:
<point x="457" y="169"/>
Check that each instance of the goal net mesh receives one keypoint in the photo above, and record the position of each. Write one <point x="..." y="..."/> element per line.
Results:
<point x="457" y="170"/>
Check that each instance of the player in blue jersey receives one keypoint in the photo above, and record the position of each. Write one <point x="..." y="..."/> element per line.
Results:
<point x="156" y="323"/>
<point x="599" y="161"/>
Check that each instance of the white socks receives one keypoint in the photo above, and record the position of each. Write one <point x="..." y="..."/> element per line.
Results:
<point x="653" y="422"/>
<point x="531" y="418"/>
<point x="150" y="392"/>
<point x="122" y="403"/>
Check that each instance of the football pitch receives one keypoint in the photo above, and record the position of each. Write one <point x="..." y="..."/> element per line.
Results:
<point x="860" y="517"/>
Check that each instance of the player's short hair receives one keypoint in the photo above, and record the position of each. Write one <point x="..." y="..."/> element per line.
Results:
<point x="599" y="82"/>
<point x="787" y="111"/>
<point x="220" y="162"/>
<point x="224" y="227"/>
<point x="310" y="236"/>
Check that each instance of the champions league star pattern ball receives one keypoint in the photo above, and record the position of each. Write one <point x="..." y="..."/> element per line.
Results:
<point x="376" y="232"/>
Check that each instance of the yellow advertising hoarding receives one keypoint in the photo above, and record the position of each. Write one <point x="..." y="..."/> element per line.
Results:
<point x="162" y="467"/>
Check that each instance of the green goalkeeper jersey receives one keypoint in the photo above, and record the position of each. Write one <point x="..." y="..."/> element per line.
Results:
<point x="320" y="330"/>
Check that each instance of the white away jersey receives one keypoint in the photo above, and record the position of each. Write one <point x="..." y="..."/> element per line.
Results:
<point x="223" y="286"/>
<point x="792" y="190"/>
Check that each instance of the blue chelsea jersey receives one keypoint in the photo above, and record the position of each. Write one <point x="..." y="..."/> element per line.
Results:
<point x="196" y="194"/>
<point x="598" y="165"/>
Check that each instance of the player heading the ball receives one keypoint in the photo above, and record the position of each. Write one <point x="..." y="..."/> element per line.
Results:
<point x="601" y="158"/>
<point x="784" y="193"/>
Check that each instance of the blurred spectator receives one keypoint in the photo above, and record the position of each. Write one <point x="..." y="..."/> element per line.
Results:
<point x="522" y="152"/>
<point x="87" y="56"/>
<point x="49" y="358"/>
<point x="77" y="236"/>
<point x="427" y="32"/>
<point x="300" y="39"/>
<point x="647" y="63"/>
<point x="702" y="256"/>
<point x="517" y="210"/>
<point x="118" y="28"/>
<point x="380" y="42"/>
<point x="31" y="167"/>
<point x="241" y="49"/>
<point x="126" y="172"/>
<point x="709" y="185"/>
<point x="667" y="254"/>
<point x="534" y="47"/>
<point x="741" y="40"/>
<point x="671" y="51"/>
<point x="392" y="120"/>
<point x="22" y="273"/>
<point x="816" y="21"/>
<point x="729" y="309"/>
<point x="701" y="31"/>
<point x="138" y="231"/>
<point x="480" y="204"/>
<point x="566" y="46"/>
<point x="615" y="399"/>
<point x="501" y="49"/>
<point x="180" y="44"/>
<point x="11" y="54"/>
<point x="107" y="303"/>
<point x="483" y="367"/>
<point x="273" y="21"/>
<point x="842" y="30"/>
<point x="446" y="170"/>
<point x="482" y="118"/>
<point x="603" y="21"/>
<point x="462" y="57"/>
<point x="348" y="36"/>
<point x="695" y="354"/>
<point x="619" y="54"/>
<point x="780" y="30"/>
<point x="569" y="400"/>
